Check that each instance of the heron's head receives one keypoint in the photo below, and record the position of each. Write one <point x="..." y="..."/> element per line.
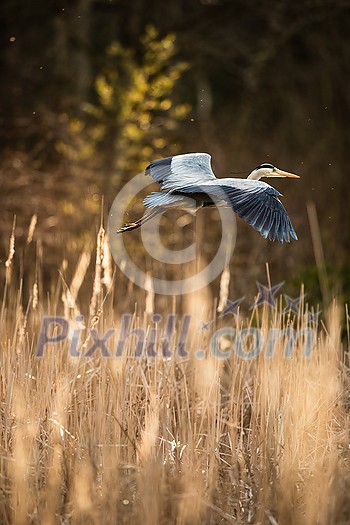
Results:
<point x="268" y="170"/>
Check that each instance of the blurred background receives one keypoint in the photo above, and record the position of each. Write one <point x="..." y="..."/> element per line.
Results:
<point x="91" y="91"/>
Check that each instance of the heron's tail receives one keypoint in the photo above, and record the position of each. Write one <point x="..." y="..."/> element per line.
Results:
<point x="133" y="225"/>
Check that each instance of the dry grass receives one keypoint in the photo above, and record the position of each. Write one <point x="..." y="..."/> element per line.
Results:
<point x="153" y="440"/>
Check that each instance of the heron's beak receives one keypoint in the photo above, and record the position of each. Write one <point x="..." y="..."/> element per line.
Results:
<point x="280" y="173"/>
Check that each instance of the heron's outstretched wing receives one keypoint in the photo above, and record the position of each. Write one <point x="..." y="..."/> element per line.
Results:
<point x="180" y="170"/>
<point x="264" y="211"/>
<point x="255" y="202"/>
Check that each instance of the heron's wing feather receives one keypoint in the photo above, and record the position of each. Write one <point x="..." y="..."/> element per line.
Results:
<point x="158" y="199"/>
<point x="255" y="202"/>
<point x="264" y="211"/>
<point x="180" y="170"/>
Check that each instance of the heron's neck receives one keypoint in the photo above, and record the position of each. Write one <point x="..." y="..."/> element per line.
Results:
<point x="254" y="175"/>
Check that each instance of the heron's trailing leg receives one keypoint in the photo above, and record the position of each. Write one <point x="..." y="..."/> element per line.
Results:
<point x="145" y="218"/>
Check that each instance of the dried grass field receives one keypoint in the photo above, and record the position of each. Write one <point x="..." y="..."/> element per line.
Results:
<point x="154" y="439"/>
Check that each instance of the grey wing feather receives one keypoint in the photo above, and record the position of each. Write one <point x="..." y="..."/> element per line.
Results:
<point x="180" y="170"/>
<point x="168" y="200"/>
<point x="255" y="202"/>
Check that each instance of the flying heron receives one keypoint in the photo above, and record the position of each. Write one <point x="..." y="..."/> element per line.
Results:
<point x="188" y="182"/>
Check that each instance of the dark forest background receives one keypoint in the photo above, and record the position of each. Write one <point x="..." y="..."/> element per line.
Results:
<point x="91" y="91"/>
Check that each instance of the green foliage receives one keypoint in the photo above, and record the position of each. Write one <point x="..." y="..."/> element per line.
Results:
<point x="338" y="280"/>
<point x="134" y="111"/>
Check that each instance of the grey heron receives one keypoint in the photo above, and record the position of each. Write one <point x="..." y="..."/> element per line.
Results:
<point x="187" y="182"/>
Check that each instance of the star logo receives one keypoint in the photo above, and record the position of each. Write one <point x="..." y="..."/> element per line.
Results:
<point x="232" y="307"/>
<point x="312" y="317"/>
<point x="266" y="295"/>
<point x="204" y="327"/>
<point x="292" y="304"/>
